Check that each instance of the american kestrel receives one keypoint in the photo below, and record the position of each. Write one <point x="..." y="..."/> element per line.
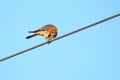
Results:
<point x="49" y="31"/>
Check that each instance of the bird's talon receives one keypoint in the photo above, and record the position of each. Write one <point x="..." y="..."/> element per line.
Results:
<point x="49" y="41"/>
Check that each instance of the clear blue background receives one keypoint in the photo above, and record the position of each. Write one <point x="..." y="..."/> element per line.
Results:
<point x="92" y="54"/>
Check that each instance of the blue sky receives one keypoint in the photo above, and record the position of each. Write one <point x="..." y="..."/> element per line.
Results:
<point x="92" y="54"/>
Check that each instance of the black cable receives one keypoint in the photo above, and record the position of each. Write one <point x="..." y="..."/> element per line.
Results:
<point x="91" y="25"/>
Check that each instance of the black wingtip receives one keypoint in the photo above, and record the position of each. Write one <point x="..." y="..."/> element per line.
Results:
<point x="30" y="31"/>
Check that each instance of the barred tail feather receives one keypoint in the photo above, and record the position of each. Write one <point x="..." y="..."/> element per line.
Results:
<point x="31" y="36"/>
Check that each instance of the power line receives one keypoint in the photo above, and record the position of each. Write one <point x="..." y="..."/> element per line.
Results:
<point x="91" y="25"/>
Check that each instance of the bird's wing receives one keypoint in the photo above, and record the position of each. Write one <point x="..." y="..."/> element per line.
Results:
<point x="46" y="27"/>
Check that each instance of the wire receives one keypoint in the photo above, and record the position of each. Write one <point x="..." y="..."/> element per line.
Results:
<point x="83" y="28"/>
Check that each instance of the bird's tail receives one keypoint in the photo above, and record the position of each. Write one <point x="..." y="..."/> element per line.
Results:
<point x="31" y="36"/>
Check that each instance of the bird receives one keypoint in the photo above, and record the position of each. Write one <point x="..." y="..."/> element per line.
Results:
<point x="49" y="31"/>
